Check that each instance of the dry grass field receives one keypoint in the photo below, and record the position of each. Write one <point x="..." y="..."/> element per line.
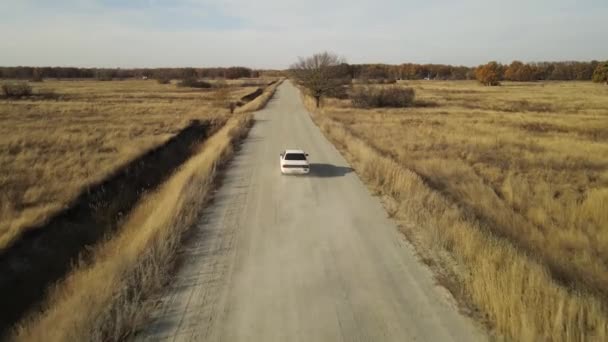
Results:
<point x="515" y="183"/>
<point x="50" y="149"/>
<point x="105" y="299"/>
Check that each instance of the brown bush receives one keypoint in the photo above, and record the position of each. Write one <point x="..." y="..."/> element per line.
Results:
<point x="163" y="80"/>
<point x="375" y="97"/>
<point x="104" y="75"/>
<point x="339" y="93"/>
<point x="489" y="74"/>
<point x="601" y="73"/>
<point x="16" y="90"/>
<point x="47" y="94"/>
<point x="194" y="83"/>
<point x="37" y="76"/>
<point x="251" y="84"/>
<point x="376" y="81"/>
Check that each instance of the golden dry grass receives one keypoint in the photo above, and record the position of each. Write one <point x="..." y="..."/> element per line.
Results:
<point x="106" y="299"/>
<point x="51" y="149"/>
<point x="512" y="181"/>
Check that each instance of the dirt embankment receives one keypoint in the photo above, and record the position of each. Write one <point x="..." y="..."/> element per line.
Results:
<point x="44" y="254"/>
<point x="252" y="96"/>
<point x="255" y="94"/>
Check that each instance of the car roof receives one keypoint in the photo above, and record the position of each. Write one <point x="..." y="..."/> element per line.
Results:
<point x="294" y="151"/>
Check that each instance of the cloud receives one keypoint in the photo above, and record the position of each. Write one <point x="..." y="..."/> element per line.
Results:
<point x="272" y="33"/>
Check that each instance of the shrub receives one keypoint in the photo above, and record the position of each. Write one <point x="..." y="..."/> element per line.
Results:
<point x="104" y="75"/>
<point x="339" y="93"/>
<point x="375" y="97"/>
<point x="237" y="72"/>
<point x="47" y="94"/>
<point x="489" y="74"/>
<point x="163" y="80"/>
<point x="601" y="73"/>
<point x="252" y="84"/>
<point x="16" y="90"/>
<point x="37" y="76"/>
<point x="375" y="81"/>
<point x="193" y="83"/>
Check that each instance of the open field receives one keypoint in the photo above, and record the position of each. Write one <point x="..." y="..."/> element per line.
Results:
<point x="103" y="295"/>
<point x="511" y="180"/>
<point x="51" y="149"/>
<point x="106" y="299"/>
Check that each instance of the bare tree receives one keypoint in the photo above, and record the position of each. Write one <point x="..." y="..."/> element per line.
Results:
<point x="321" y="74"/>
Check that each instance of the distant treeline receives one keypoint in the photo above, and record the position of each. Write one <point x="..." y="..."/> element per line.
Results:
<point x="516" y="71"/>
<point x="29" y="73"/>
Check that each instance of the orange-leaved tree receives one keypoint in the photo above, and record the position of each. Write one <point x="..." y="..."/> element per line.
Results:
<point x="489" y="74"/>
<point x="520" y="72"/>
<point x="601" y="73"/>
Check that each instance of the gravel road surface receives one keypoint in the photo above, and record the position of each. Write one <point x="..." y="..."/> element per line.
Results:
<point x="300" y="258"/>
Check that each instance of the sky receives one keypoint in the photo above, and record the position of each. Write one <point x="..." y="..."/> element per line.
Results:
<point x="274" y="33"/>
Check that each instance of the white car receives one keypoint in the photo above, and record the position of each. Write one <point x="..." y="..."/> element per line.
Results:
<point x="294" y="162"/>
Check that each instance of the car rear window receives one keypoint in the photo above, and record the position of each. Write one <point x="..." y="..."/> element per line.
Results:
<point x="295" y="156"/>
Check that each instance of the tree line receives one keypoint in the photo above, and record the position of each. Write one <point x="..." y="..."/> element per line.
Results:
<point x="327" y="74"/>
<point x="36" y="73"/>
<point x="516" y="71"/>
<point x="493" y="73"/>
<point x="410" y="71"/>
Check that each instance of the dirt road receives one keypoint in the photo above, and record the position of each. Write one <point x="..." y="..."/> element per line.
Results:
<point x="292" y="258"/>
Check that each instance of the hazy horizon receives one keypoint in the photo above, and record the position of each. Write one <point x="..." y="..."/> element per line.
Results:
<point x="271" y="34"/>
